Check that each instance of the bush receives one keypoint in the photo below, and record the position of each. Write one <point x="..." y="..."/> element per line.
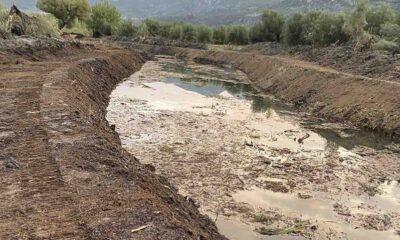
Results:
<point x="219" y="35"/>
<point x="272" y="23"/>
<point x="390" y="32"/>
<point x="188" y="33"/>
<point x="238" y="35"/>
<point x="309" y="24"/>
<point x="203" y="34"/>
<point x="66" y="11"/>
<point x="105" y="19"/>
<point x="78" y="27"/>
<point x="3" y="17"/>
<point x="385" y="45"/>
<point x="256" y="33"/>
<point x="175" y="32"/>
<point x="127" y="29"/>
<point x="153" y="27"/>
<point x="43" y="24"/>
<point x="355" y="25"/>
<point x="292" y="33"/>
<point x="379" y="15"/>
<point x="328" y="29"/>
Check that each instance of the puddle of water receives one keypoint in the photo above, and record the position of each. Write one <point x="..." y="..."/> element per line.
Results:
<point x="272" y="126"/>
<point x="234" y="229"/>
<point x="316" y="209"/>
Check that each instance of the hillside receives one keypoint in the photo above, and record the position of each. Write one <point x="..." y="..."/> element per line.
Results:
<point x="216" y="11"/>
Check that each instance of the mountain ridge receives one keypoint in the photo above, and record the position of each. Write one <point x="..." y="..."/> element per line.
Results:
<point x="215" y="11"/>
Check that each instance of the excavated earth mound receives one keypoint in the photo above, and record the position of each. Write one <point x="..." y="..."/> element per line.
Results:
<point x="64" y="174"/>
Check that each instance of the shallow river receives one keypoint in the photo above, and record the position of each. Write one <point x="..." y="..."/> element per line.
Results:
<point x="258" y="168"/>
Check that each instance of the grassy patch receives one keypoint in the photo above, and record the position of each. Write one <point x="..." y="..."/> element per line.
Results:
<point x="297" y="228"/>
<point x="262" y="218"/>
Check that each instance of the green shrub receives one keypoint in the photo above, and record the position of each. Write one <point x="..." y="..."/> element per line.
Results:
<point x="385" y="45"/>
<point x="272" y="25"/>
<point x="188" y="33"/>
<point x="43" y="24"/>
<point x="355" y="25"/>
<point x="153" y="26"/>
<point x="309" y="25"/>
<point x="66" y="11"/>
<point x="143" y="30"/>
<point x="219" y="35"/>
<point x="78" y="27"/>
<point x="165" y="29"/>
<point x="379" y="15"/>
<point x="238" y="35"/>
<point x="175" y="32"/>
<point x="203" y="34"/>
<point x="126" y="28"/>
<point x="105" y="19"/>
<point x="256" y="33"/>
<point x="3" y="17"/>
<point x="328" y="29"/>
<point x="390" y="32"/>
<point x="292" y="33"/>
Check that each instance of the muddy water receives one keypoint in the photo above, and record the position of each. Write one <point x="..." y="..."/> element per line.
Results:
<point x="253" y="164"/>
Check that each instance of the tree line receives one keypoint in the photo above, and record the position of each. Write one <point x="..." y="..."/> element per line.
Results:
<point x="365" y="26"/>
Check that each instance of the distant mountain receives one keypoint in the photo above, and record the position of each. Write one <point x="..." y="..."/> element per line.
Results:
<point x="216" y="11"/>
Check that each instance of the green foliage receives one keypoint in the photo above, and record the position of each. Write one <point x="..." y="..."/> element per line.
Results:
<point x="385" y="45"/>
<point x="390" y="32"/>
<point x="272" y="25"/>
<point x="188" y="33"/>
<point x="292" y="33"/>
<point x="43" y="24"/>
<point x="153" y="27"/>
<point x="127" y="29"/>
<point x="220" y="35"/>
<point x="379" y="15"/>
<point x="66" y="11"/>
<point x="328" y="29"/>
<point x="3" y="17"/>
<point x="256" y="33"/>
<point x="105" y="19"/>
<point x="355" y="24"/>
<point x="238" y="35"/>
<point x="203" y="34"/>
<point x="175" y="32"/>
<point x="308" y="23"/>
<point x="78" y="27"/>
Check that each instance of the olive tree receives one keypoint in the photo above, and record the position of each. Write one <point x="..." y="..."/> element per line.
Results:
<point x="203" y="34"/>
<point x="292" y="33"/>
<point x="105" y="19"/>
<point x="380" y="15"/>
<point x="219" y="35"/>
<point x="66" y="11"/>
<point x="355" y="24"/>
<point x="272" y="23"/>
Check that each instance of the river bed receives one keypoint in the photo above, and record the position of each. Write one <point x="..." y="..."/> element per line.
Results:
<point x="257" y="167"/>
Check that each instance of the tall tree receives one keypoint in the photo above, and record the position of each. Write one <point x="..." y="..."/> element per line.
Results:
<point x="66" y="11"/>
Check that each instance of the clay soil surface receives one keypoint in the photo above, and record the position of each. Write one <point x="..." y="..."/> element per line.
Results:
<point x="257" y="167"/>
<point x="64" y="174"/>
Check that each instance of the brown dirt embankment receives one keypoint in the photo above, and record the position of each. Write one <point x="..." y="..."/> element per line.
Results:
<point x="365" y="102"/>
<point x="64" y="172"/>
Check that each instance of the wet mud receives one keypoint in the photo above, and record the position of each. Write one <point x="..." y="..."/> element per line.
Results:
<point x="257" y="167"/>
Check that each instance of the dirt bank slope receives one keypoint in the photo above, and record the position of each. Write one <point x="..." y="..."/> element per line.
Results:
<point x="362" y="101"/>
<point x="64" y="172"/>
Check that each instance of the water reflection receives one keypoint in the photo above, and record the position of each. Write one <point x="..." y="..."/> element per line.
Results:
<point x="213" y="88"/>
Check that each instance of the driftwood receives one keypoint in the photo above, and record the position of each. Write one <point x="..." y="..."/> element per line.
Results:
<point x="18" y="21"/>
